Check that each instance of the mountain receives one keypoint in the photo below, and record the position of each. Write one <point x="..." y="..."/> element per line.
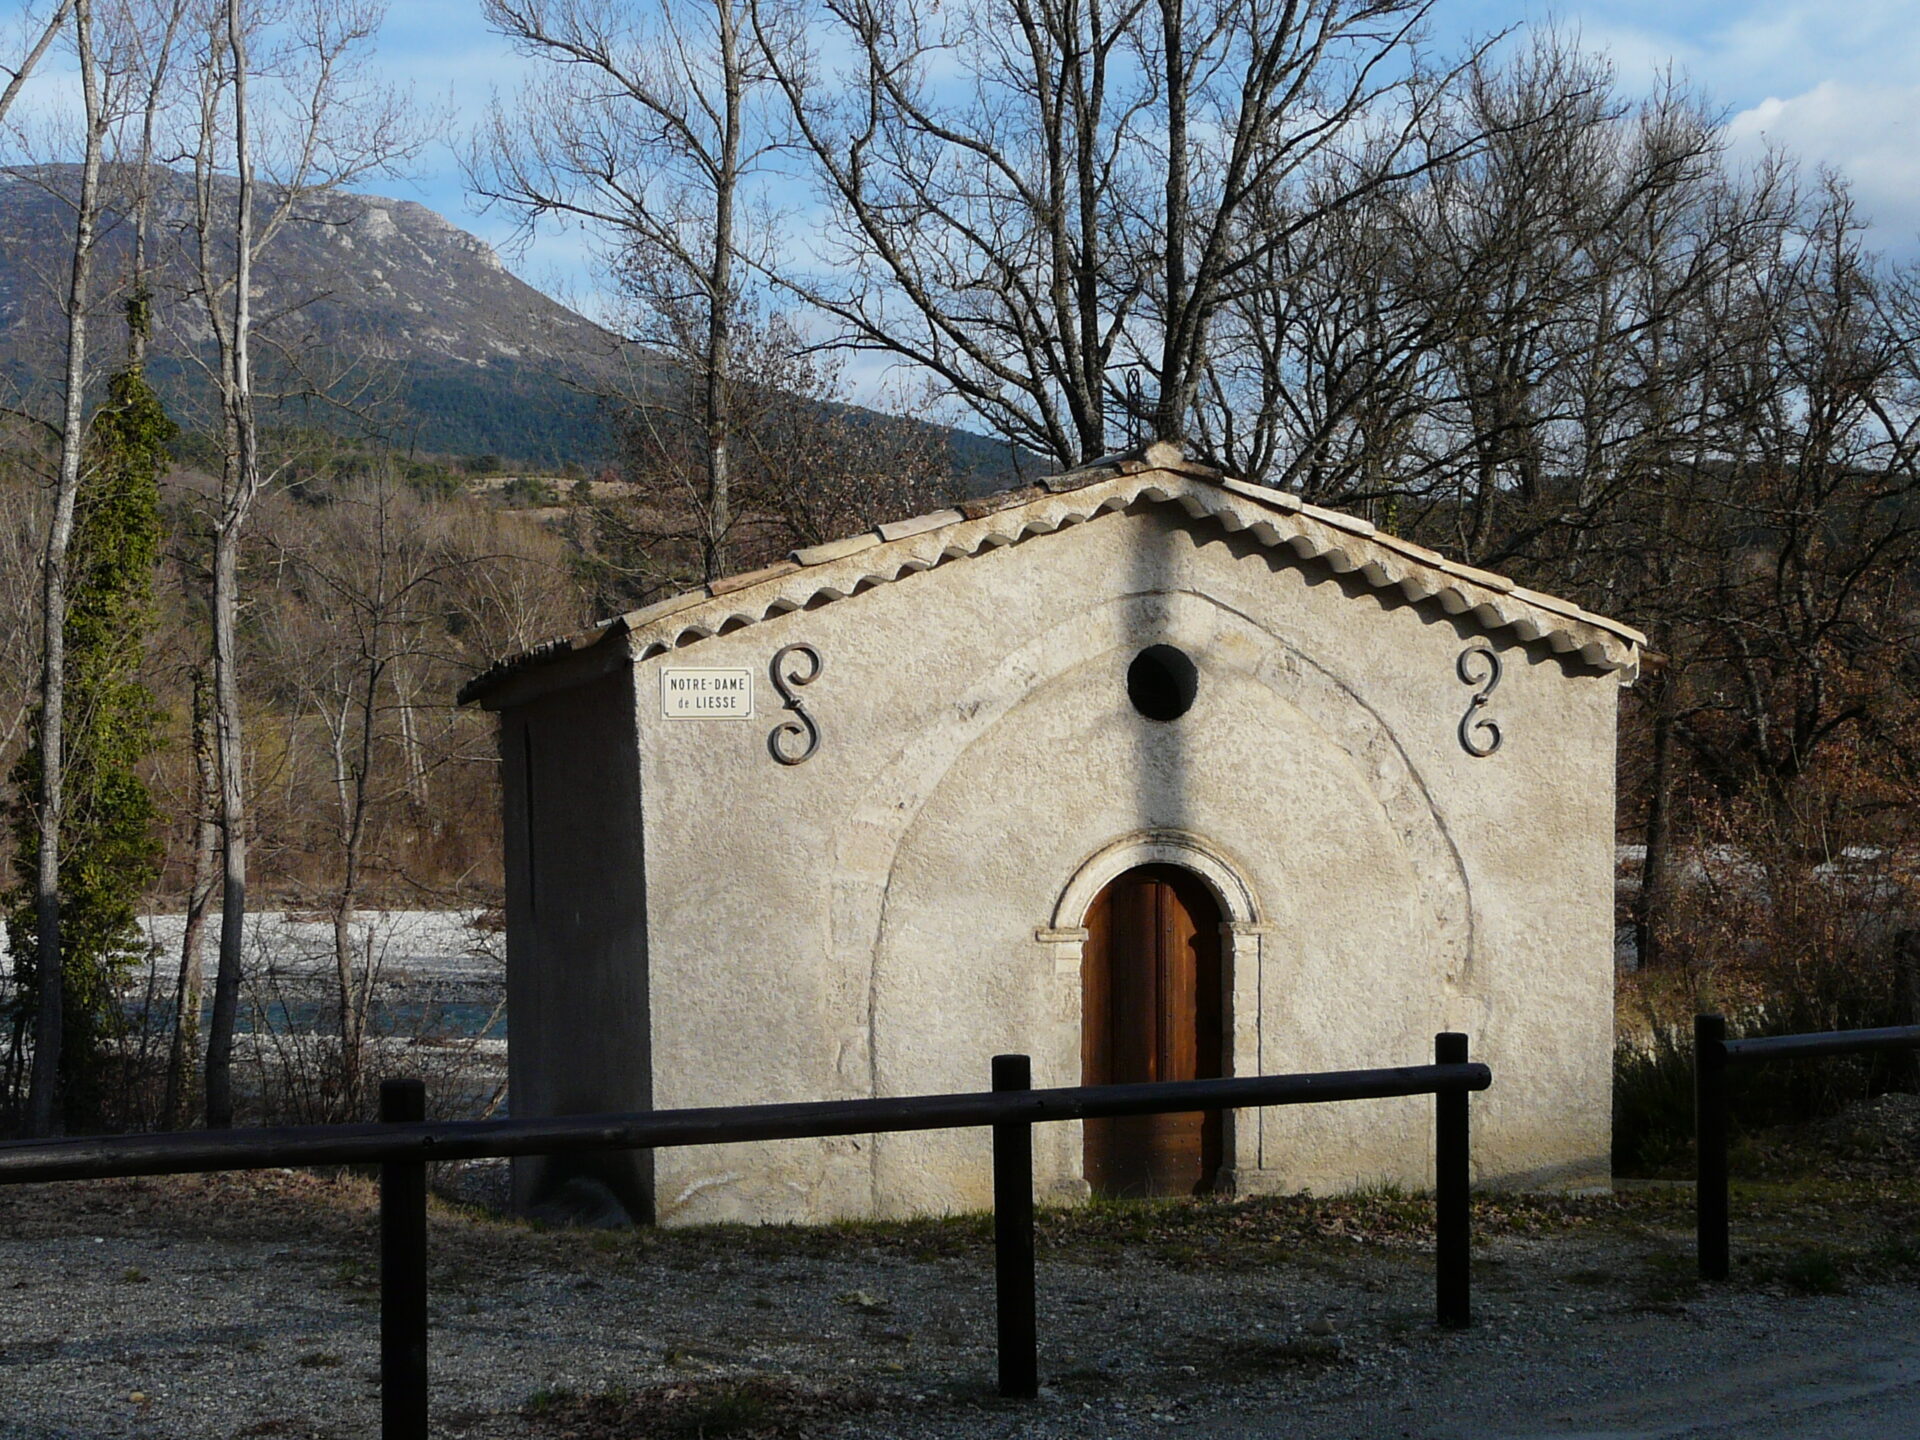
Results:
<point x="413" y="324"/>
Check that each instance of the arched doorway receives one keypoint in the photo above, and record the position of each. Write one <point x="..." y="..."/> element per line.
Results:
<point x="1151" y="1009"/>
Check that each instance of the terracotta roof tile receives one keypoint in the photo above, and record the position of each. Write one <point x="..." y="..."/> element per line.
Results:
<point x="1478" y="577"/>
<point x="835" y="549"/>
<point x="1079" y="479"/>
<point x="732" y="583"/>
<point x="918" y="525"/>
<point x="1000" y="500"/>
<point x="660" y="609"/>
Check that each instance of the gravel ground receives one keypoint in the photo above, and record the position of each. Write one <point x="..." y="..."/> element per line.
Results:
<point x="246" y="1305"/>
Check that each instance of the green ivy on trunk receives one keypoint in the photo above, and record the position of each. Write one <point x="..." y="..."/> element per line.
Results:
<point x="109" y="833"/>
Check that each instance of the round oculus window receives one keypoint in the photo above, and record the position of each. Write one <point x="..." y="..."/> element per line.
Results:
<point x="1162" y="681"/>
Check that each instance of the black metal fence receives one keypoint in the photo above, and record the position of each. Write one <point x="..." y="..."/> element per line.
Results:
<point x="404" y="1142"/>
<point x="1712" y="1054"/>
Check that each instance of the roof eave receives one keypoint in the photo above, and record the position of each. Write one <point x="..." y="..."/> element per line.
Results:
<point x="838" y="569"/>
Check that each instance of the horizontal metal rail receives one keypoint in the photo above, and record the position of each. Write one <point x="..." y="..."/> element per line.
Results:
<point x="90" y="1157"/>
<point x="1712" y="1054"/>
<point x="403" y="1144"/>
<point x="1827" y="1042"/>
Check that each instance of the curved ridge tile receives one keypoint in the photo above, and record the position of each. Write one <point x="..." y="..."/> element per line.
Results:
<point x="837" y="570"/>
<point x="1341" y="560"/>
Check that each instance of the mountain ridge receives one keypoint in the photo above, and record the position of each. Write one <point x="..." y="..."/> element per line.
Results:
<point x="459" y="355"/>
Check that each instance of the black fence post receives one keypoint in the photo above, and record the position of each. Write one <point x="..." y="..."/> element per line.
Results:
<point x="403" y="1275"/>
<point x="1710" y="1145"/>
<point x="1452" y="1202"/>
<point x="1013" y="1238"/>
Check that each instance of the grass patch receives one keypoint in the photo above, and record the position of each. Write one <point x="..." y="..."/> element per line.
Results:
<point x="1808" y="1270"/>
<point x="549" y="1400"/>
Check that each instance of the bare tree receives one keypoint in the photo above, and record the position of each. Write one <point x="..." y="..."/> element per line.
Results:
<point x="980" y="224"/>
<point x="381" y="601"/>
<point x="651" y="126"/>
<point x="1029" y="195"/>
<point x="183" y="1049"/>
<point x="42" y="1113"/>
<point x="526" y="593"/>
<point x="361" y="576"/>
<point x="17" y="77"/>
<point x="807" y="465"/>
<point x="21" y="531"/>
<point x="324" y="124"/>
<point x="1811" y="579"/>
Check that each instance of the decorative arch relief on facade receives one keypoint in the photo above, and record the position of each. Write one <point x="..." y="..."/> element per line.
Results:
<point x="867" y="846"/>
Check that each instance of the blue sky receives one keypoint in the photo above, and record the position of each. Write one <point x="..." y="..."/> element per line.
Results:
<point x="1837" y="84"/>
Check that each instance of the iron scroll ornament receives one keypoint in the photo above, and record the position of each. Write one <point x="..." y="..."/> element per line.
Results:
<point x="789" y="683"/>
<point x="1473" y="725"/>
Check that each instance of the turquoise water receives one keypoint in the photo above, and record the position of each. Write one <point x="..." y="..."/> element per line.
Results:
<point x="462" y="1019"/>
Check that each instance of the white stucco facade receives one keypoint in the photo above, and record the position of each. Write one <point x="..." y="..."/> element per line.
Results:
<point x="692" y="922"/>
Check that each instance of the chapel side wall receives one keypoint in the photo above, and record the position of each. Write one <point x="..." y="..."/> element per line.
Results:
<point x="577" y="994"/>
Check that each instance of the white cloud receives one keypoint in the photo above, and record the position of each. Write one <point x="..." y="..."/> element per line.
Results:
<point x="1784" y="47"/>
<point x="1832" y="84"/>
<point x="1869" y="133"/>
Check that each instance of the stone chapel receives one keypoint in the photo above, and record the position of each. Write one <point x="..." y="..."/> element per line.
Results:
<point x="1143" y="771"/>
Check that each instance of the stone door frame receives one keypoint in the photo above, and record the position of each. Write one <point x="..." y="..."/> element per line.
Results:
<point x="1242" y="942"/>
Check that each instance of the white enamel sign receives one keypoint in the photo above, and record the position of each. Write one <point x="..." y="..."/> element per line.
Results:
<point x="706" y="694"/>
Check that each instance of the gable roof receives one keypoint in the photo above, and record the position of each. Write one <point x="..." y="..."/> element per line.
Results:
<point x="1156" y="476"/>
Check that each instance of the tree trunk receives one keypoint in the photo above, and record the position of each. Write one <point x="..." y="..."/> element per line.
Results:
<point x="233" y="837"/>
<point x="412" y="753"/>
<point x="241" y="483"/>
<point x="43" y="1116"/>
<point x="184" y="1053"/>
<point x="1169" y="415"/>
<point x="353" y="993"/>
<point x="720" y="297"/>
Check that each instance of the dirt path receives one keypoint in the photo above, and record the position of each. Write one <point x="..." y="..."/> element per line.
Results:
<point x="232" y="1306"/>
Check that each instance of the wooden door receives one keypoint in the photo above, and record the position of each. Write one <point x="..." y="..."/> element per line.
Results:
<point x="1151" y="1010"/>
